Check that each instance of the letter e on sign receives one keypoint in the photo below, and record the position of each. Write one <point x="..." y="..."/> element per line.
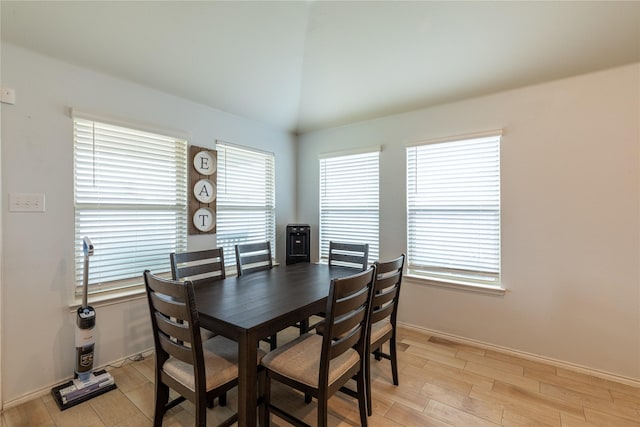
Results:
<point x="204" y="163"/>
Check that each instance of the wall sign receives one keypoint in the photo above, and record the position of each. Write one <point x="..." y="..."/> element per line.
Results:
<point x="203" y="177"/>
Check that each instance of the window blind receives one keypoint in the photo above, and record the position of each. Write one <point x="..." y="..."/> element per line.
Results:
<point x="246" y="199"/>
<point x="130" y="200"/>
<point x="453" y="218"/>
<point x="349" y="201"/>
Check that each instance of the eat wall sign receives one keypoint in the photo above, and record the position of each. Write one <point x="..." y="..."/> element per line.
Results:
<point x="203" y="177"/>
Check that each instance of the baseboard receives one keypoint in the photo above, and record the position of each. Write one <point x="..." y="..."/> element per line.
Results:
<point x="529" y="356"/>
<point x="43" y="391"/>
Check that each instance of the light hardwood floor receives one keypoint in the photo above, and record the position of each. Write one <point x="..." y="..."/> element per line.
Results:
<point x="442" y="383"/>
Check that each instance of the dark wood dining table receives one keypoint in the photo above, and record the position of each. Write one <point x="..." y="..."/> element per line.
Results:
<point x="251" y="307"/>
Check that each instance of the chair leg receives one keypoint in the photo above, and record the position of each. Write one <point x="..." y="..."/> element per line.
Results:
<point x="362" y="398"/>
<point x="162" y="397"/>
<point x="304" y="326"/>
<point x="323" y="409"/>
<point x="367" y="379"/>
<point x="394" y="360"/>
<point x="201" y="413"/>
<point x="273" y="342"/>
<point x="264" y="385"/>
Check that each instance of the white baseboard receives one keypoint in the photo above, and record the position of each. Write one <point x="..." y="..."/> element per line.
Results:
<point x="529" y="356"/>
<point x="47" y="389"/>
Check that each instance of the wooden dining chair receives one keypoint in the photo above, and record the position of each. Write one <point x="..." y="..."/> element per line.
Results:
<point x="353" y="255"/>
<point x="320" y="365"/>
<point x="253" y="257"/>
<point x="197" y="371"/>
<point x="201" y="268"/>
<point x="198" y="266"/>
<point x="382" y="320"/>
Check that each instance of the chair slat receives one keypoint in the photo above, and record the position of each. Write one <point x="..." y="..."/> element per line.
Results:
<point x="214" y="268"/>
<point x="348" y="322"/>
<point x="170" y="308"/>
<point x="384" y="297"/>
<point x="177" y="350"/>
<point x="381" y="313"/>
<point x="174" y="329"/>
<point x="351" y="303"/>
<point x="345" y="343"/>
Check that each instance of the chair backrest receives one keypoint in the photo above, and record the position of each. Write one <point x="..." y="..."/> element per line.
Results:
<point x="175" y="324"/>
<point x="253" y="257"/>
<point x="198" y="266"/>
<point x="353" y="255"/>
<point x="347" y="316"/>
<point x="386" y="291"/>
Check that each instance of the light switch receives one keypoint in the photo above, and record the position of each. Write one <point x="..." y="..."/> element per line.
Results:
<point x="26" y="202"/>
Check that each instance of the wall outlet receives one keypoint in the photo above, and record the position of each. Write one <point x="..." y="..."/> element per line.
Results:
<point x="7" y="95"/>
<point x="26" y="202"/>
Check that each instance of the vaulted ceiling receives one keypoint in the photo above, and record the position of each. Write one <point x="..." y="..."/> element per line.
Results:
<point x="306" y="65"/>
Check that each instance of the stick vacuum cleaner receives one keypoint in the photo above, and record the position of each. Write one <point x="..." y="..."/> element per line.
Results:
<point x="86" y="384"/>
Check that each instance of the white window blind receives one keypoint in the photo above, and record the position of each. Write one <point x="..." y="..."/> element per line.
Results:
<point x="246" y="200"/>
<point x="130" y="200"/>
<point x="349" y="201"/>
<point x="453" y="218"/>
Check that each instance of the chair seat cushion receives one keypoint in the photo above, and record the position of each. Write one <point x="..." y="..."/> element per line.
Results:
<point x="300" y="360"/>
<point x="220" y="360"/>
<point x="379" y="329"/>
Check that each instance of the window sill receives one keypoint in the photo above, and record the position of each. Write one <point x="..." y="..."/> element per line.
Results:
<point x="110" y="298"/>
<point x="460" y="286"/>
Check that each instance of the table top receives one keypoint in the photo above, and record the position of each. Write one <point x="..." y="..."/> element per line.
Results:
<point x="267" y="301"/>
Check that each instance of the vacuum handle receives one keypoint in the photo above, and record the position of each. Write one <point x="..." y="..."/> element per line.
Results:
<point x="87" y="248"/>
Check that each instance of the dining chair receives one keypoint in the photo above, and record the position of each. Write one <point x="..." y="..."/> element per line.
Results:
<point x="382" y="320"/>
<point x="197" y="371"/>
<point x="253" y="257"/>
<point x="320" y="365"/>
<point x="353" y="255"/>
<point x="198" y="266"/>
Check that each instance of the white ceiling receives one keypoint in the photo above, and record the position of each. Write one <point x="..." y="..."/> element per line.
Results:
<point x="306" y="65"/>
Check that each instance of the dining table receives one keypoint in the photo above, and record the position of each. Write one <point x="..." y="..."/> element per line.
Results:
<point x="254" y="306"/>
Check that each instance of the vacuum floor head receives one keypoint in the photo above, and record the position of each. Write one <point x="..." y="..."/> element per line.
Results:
<point x="77" y="391"/>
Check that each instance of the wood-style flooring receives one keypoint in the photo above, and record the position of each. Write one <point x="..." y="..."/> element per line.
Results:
<point x="442" y="383"/>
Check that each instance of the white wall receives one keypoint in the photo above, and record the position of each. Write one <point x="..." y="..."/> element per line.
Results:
<point x="570" y="216"/>
<point x="37" y="157"/>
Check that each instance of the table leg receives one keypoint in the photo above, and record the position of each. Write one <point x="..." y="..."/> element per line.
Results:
<point x="247" y="380"/>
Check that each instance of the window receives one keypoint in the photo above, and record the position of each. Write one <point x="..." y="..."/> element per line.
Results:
<point x="453" y="218"/>
<point x="246" y="199"/>
<point x="130" y="200"/>
<point x="349" y="200"/>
